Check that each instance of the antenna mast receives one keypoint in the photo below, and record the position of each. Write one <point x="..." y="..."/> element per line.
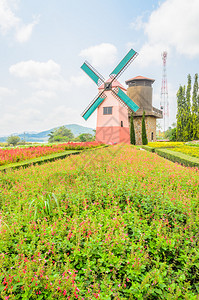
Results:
<point x="164" y="104"/>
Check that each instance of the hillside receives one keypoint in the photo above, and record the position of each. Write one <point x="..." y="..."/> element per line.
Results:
<point x="43" y="135"/>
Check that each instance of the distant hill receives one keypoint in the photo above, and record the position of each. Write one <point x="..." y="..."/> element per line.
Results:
<point x="42" y="136"/>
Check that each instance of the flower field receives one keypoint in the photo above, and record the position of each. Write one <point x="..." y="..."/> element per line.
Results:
<point x="117" y="223"/>
<point x="13" y="155"/>
<point x="165" y="144"/>
<point x="191" y="149"/>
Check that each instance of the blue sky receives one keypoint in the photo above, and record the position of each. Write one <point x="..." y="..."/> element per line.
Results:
<point x="44" y="43"/>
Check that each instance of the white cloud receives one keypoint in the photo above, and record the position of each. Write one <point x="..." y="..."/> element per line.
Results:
<point x="4" y="92"/>
<point x="53" y="84"/>
<point x="138" y="24"/>
<point x="9" y="21"/>
<point x="150" y="54"/>
<point x="173" y="25"/>
<point x="176" y="23"/>
<point x="80" y="80"/>
<point x="100" y="55"/>
<point x="7" y="18"/>
<point x="46" y="77"/>
<point x="35" y="69"/>
<point x="45" y="94"/>
<point x="16" y="118"/>
<point x="24" y="32"/>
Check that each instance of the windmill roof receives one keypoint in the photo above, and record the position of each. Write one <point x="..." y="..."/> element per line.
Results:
<point x="139" y="78"/>
<point x="115" y="83"/>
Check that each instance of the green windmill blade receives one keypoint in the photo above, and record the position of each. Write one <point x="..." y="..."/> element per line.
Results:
<point x="92" y="73"/>
<point x="93" y="105"/>
<point x="122" y="97"/>
<point x="123" y="64"/>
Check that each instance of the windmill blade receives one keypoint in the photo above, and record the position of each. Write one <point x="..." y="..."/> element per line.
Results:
<point x="122" y="97"/>
<point x="93" y="105"/>
<point x="92" y="73"/>
<point x="125" y="62"/>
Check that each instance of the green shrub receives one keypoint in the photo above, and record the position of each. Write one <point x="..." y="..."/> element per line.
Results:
<point x="178" y="157"/>
<point x="132" y="131"/>
<point x="144" y="135"/>
<point x="148" y="148"/>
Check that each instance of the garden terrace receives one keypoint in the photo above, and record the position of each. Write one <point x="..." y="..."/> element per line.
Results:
<point x="117" y="223"/>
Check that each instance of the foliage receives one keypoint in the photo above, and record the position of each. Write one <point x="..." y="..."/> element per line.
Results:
<point x="195" y="110"/>
<point x="61" y="134"/>
<point x="144" y="135"/>
<point x="188" y="111"/>
<point x="13" y="140"/>
<point x="148" y="148"/>
<point x="39" y="160"/>
<point x="132" y="131"/>
<point x="165" y="144"/>
<point x="110" y="224"/>
<point x="3" y="144"/>
<point x="171" y="133"/>
<point x="193" y="143"/>
<point x="179" y="157"/>
<point x="21" y="154"/>
<point x="85" y="137"/>
<point x="189" y="150"/>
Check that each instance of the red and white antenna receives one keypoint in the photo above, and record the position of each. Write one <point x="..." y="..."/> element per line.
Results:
<point x="164" y="103"/>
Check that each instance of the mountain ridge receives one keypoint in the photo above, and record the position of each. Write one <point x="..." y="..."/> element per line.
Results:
<point x="42" y="136"/>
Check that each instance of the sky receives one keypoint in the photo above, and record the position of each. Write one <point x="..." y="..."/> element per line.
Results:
<point x="44" y="43"/>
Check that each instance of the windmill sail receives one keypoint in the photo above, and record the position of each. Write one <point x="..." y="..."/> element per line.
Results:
<point x="121" y="96"/>
<point x="92" y="73"/>
<point x="99" y="80"/>
<point x="93" y="105"/>
<point x="123" y="64"/>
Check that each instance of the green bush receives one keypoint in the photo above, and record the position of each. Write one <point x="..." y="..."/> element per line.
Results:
<point x="148" y="148"/>
<point x="144" y="135"/>
<point x="178" y="157"/>
<point x="132" y="132"/>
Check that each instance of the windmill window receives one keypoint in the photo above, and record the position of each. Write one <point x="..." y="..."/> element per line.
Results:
<point x="152" y="136"/>
<point x="121" y="123"/>
<point x="107" y="110"/>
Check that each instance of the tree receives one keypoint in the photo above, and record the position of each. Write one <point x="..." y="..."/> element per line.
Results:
<point x="132" y="131"/>
<point x="144" y="135"/>
<point x="13" y="140"/>
<point x="85" y="137"/>
<point x="61" y="134"/>
<point x="195" y="110"/>
<point x="188" y="112"/>
<point x="171" y="133"/>
<point x="187" y="132"/>
<point x="180" y="113"/>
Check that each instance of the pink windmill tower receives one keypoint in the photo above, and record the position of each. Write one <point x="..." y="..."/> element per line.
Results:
<point x="112" y="104"/>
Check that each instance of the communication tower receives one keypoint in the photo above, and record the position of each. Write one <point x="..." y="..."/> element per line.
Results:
<point x="164" y="103"/>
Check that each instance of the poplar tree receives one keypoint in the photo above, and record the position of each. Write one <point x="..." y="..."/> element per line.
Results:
<point x="195" y="110"/>
<point x="132" y="131"/>
<point x="187" y="126"/>
<point x="180" y="113"/>
<point x="144" y="135"/>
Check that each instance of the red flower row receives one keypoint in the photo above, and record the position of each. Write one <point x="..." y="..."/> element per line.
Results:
<point x="20" y="154"/>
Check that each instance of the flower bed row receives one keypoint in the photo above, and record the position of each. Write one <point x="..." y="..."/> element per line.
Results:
<point x="189" y="150"/>
<point x="192" y="150"/>
<point x="178" y="157"/>
<point x="117" y="223"/>
<point x="165" y="144"/>
<point x="14" y="155"/>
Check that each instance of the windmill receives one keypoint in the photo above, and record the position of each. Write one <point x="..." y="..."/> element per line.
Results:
<point x="112" y="103"/>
